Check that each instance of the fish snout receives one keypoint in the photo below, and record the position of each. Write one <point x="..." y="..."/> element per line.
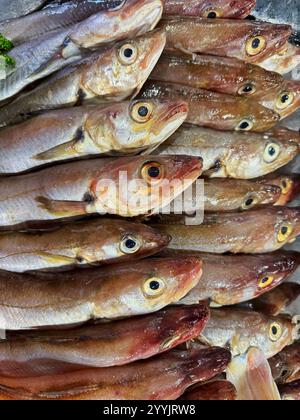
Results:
<point x="182" y="167"/>
<point x="188" y="271"/>
<point x="153" y="240"/>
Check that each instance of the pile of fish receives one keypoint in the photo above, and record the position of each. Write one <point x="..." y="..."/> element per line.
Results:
<point x="102" y="295"/>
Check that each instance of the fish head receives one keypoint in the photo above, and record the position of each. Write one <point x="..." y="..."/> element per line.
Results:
<point x="257" y="81"/>
<point x="208" y="9"/>
<point x="121" y="69"/>
<point x="289" y="186"/>
<point x="261" y="40"/>
<point x="145" y="184"/>
<point x="141" y="15"/>
<point x="290" y="366"/>
<point x="285" y="100"/>
<point x="160" y="282"/>
<point x="286" y="226"/>
<point x="261" y="195"/>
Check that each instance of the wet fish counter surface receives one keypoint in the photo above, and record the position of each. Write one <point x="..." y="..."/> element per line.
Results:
<point x="107" y="291"/>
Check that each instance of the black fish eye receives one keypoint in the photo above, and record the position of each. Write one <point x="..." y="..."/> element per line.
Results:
<point x="154" y="285"/>
<point x="255" y="43"/>
<point x="143" y="111"/>
<point x="128" y="52"/>
<point x="284" y="230"/>
<point x="130" y="243"/>
<point x="249" y="202"/>
<point x="153" y="172"/>
<point x="212" y="15"/>
<point x="244" y="125"/>
<point x="284" y="184"/>
<point x="274" y="330"/>
<point x="285" y="98"/>
<point x="272" y="151"/>
<point x="248" y="89"/>
<point x="265" y="280"/>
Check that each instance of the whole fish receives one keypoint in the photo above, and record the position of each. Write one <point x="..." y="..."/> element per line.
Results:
<point x="119" y="129"/>
<point x="164" y="377"/>
<point x="15" y="8"/>
<point x="46" y="54"/>
<point x="251" y="375"/>
<point x="76" y="297"/>
<point x="285" y="61"/>
<point x="128" y="187"/>
<point x="285" y="100"/>
<point x="290" y="392"/>
<point x="79" y="244"/>
<point x="207" y="9"/>
<point x="243" y="39"/>
<point x="228" y="280"/>
<point x="273" y="11"/>
<point x="56" y="16"/>
<point x="203" y="72"/>
<point x="251" y="232"/>
<point x="101" y="345"/>
<point x="215" y="110"/>
<point x="216" y="390"/>
<point x="286" y="364"/>
<point x="289" y="185"/>
<point x="275" y="302"/>
<point x="106" y="76"/>
<point x="239" y="330"/>
<point x="231" y="155"/>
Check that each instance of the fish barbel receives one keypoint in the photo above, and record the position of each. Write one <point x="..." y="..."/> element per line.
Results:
<point x="290" y="392"/>
<point x="105" y="76"/>
<point x="101" y="345"/>
<point x="216" y="390"/>
<point x="251" y="232"/>
<point x="285" y="100"/>
<point x="229" y="280"/>
<point x="79" y="244"/>
<point x="251" y="375"/>
<point x="289" y="185"/>
<point x="286" y="364"/>
<point x="119" y="129"/>
<point x="229" y="154"/>
<point x="246" y="40"/>
<point x="208" y="9"/>
<point x="46" y="54"/>
<point x="213" y="109"/>
<point x="112" y="292"/>
<point x="275" y="302"/>
<point x="128" y="187"/>
<point x="15" y="8"/>
<point x="164" y="377"/>
<point x="285" y="61"/>
<point x="239" y="330"/>
<point x="55" y="16"/>
<point x="203" y="72"/>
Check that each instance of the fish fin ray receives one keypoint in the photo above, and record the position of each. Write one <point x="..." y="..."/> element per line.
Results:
<point x="61" y="208"/>
<point x="65" y="150"/>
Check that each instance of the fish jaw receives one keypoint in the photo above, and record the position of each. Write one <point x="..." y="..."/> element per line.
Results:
<point x="284" y="61"/>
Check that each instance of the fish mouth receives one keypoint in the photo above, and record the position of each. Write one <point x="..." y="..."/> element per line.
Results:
<point x="174" y="110"/>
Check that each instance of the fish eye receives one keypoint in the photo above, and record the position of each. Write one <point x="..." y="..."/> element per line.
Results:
<point x="154" y="287"/>
<point x="141" y="112"/>
<point x="275" y="332"/>
<point x="265" y="281"/>
<point x="286" y="185"/>
<point x="284" y="232"/>
<point x="284" y="100"/>
<point x="130" y="244"/>
<point x="212" y="13"/>
<point x="249" y="202"/>
<point x="247" y="89"/>
<point x="245" y="125"/>
<point x="255" y="45"/>
<point x="152" y="172"/>
<point x="271" y="153"/>
<point x="128" y="54"/>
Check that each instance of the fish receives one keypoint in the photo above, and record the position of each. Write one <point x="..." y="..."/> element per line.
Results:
<point x="286" y="365"/>
<point x="230" y="280"/>
<point x="216" y="390"/>
<point x="207" y="9"/>
<point x="251" y="232"/>
<point x="285" y="61"/>
<point x="290" y="392"/>
<point x="215" y="110"/>
<point x="238" y="330"/>
<point x="203" y="72"/>
<point x="107" y="293"/>
<point x="14" y="8"/>
<point x="125" y="128"/>
<point x="56" y="16"/>
<point x="289" y="184"/>
<point x="284" y="101"/>
<point x="275" y="302"/>
<point x="245" y="40"/>
<point x="49" y="53"/>
<point x="116" y="343"/>
<point x="106" y="76"/>
<point x="285" y="133"/>
<point x="273" y="11"/>
<point x="252" y="377"/>
<point x="79" y="244"/>
<point x="164" y="377"/>
<point x="124" y="186"/>
<point x="231" y="155"/>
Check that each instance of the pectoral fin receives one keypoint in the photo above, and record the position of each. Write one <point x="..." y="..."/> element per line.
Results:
<point x="57" y="260"/>
<point x="62" y="208"/>
<point x="65" y="150"/>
